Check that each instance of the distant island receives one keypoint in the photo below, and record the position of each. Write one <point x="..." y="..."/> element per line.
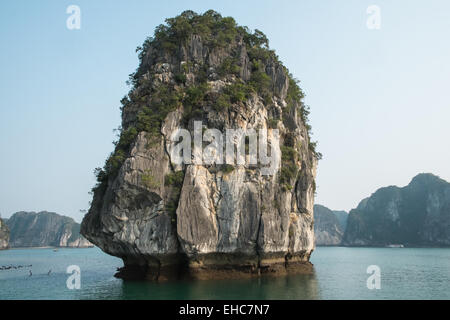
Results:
<point x="42" y="229"/>
<point x="417" y="215"/>
<point x="329" y="226"/>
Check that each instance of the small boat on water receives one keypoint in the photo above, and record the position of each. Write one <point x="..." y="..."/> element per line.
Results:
<point x="395" y="246"/>
<point x="55" y="250"/>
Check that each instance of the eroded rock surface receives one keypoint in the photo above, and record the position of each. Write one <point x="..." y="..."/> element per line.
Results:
<point x="169" y="220"/>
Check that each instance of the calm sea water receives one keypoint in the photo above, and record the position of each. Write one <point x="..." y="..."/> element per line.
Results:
<point x="340" y="273"/>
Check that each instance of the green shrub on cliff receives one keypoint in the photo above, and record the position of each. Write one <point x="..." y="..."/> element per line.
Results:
<point x="288" y="154"/>
<point x="289" y="169"/>
<point x="175" y="181"/>
<point x="273" y="123"/>
<point x="228" y="66"/>
<point x="126" y="138"/>
<point x="149" y="180"/>
<point x="227" y="168"/>
<point x="180" y="78"/>
<point x="193" y="100"/>
<point x="222" y="102"/>
<point x="294" y="93"/>
<point x="153" y="113"/>
<point x="114" y="162"/>
<point x="237" y="92"/>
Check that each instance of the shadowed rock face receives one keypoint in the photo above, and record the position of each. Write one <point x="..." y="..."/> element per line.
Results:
<point x="4" y="235"/>
<point x="416" y="215"/>
<point x="328" y="226"/>
<point x="167" y="220"/>
<point x="31" y="229"/>
<point x="342" y="217"/>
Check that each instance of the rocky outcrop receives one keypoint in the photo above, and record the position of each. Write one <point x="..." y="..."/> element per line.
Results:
<point x="4" y="235"/>
<point x="166" y="219"/>
<point x="415" y="215"/>
<point x="44" y="229"/>
<point x="328" y="228"/>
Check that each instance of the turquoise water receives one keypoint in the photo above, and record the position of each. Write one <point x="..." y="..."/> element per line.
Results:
<point x="340" y="273"/>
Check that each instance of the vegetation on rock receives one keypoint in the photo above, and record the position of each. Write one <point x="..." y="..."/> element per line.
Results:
<point x="155" y="102"/>
<point x="156" y="213"/>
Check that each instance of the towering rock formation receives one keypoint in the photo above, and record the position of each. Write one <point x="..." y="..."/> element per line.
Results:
<point x="166" y="219"/>
<point x="4" y="235"/>
<point x="416" y="215"/>
<point x="44" y="229"/>
<point x="329" y="226"/>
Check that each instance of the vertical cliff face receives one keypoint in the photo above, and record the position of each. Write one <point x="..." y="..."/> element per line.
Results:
<point x="416" y="215"/>
<point x="4" y="235"/>
<point x="42" y="229"/>
<point x="329" y="226"/>
<point x="203" y="220"/>
<point x="342" y="217"/>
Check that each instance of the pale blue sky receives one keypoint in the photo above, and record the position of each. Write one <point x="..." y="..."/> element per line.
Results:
<point x="379" y="98"/>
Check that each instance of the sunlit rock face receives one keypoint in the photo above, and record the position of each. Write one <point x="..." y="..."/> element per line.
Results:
<point x="415" y="215"/>
<point x="168" y="220"/>
<point x="44" y="229"/>
<point x="329" y="226"/>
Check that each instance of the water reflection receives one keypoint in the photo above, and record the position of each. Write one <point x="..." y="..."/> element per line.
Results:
<point x="288" y="287"/>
